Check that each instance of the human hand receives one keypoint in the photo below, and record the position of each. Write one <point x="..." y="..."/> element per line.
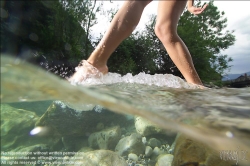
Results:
<point x="195" y="10"/>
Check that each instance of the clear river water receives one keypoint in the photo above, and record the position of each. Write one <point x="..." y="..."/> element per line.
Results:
<point x="220" y="118"/>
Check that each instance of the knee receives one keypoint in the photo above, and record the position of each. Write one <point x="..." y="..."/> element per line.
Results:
<point x="165" y="32"/>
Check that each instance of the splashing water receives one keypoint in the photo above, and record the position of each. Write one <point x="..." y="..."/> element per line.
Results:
<point x="164" y="80"/>
<point x="216" y="117"/>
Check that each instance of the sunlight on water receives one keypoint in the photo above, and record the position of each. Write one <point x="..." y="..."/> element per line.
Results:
<point x="216" y="117"/>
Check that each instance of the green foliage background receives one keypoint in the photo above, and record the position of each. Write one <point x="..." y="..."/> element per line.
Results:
<point x="56" y="35"/>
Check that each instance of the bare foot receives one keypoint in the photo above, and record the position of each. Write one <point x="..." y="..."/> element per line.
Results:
<point x="86" y="70"/>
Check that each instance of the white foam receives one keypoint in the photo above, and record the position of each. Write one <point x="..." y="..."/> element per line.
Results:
<point x="166" y="80"/>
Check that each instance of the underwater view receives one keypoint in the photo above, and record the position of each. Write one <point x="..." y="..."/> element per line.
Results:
<point x="141" y="120"/>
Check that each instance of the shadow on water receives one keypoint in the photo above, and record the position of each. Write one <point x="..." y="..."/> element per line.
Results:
<point x="218" y="118"/>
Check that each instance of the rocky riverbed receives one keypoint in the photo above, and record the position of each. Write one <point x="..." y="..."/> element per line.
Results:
<point x="95" y="136"/>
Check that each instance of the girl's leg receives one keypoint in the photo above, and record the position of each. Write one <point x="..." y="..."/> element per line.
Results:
<point x="122" y="25"/>
<point x="168" y="16"/>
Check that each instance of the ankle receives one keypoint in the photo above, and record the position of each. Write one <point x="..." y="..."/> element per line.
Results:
<point x="102" y="67"/>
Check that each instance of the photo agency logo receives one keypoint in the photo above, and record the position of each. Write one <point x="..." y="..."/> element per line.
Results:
<point x="233" y="155"/>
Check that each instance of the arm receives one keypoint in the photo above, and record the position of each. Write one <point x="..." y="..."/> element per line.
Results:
<point x="194" y="10"/>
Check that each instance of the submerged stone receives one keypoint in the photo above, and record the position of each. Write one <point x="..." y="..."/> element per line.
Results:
<point x="164" y="160"/>
<point x="64" y="121"/>
<point x="130" y="144"/>
<point x="16" y="125"/>
<point x="133" y="157"/>
<point x="190" y="152"/>
<point x="153" y="142"/>
<point x="148" y="151"/>
<point x="105" y="139"/>
<point x="74" y="143"/>
<point x="146" y="128"/>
